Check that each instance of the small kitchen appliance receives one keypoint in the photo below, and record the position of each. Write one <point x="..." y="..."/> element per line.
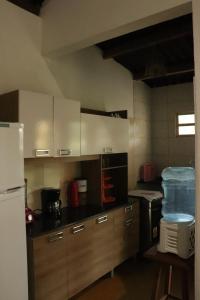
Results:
<point x="73" y="194"/>
<point x="82" y="191"/>
<point x="51" y="204"/>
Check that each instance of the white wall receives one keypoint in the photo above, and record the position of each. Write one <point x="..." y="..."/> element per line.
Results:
<point x="196" y="29"/>
<point x="95" y="82"/>
<point x="21" y="63"/>
<point x="140" y="146"/>
<point x="71" y="25"/>
<point x="167" y="148"/>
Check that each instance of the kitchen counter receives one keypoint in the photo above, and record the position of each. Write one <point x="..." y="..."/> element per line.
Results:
<point x="69" y="216"/>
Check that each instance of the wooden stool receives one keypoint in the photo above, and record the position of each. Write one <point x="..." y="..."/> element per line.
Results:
<point x="168" y="262"/>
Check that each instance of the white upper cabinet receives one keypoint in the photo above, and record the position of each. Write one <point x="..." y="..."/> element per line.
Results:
<point x="94" y="134"/>
<point x="101" y="134"/>
<point x="66" y="127"/>
<point x="118" y="134"/>
<point x="36" y="113"/>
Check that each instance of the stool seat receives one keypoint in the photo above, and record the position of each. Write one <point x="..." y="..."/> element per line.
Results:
<point x="168" y="262"/>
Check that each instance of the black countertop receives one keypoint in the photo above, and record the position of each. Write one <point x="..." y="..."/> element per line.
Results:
<point x="69" y="216"/>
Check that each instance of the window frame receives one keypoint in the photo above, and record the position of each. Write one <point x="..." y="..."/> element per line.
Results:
<point x="186" y="124"/>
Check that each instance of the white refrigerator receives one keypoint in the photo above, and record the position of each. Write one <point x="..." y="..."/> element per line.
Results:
<point x="13" y="253"/>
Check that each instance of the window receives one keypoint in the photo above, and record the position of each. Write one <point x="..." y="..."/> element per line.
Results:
<point x="185" y="124"/>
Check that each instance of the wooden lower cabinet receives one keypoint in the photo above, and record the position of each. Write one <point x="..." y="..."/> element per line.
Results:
<point x="126" y="232"/>
<point x="80" y="256"/>
<point x="67" y="261"/>
<point x="90" y="252"/>
<point x="49" y="267"/>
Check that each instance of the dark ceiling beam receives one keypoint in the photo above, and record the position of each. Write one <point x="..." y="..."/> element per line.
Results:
<point x="173" y="79"/>
<point x="182" y="68"/>
<point x="32" y="6"/>
<point x="149" y="37"/>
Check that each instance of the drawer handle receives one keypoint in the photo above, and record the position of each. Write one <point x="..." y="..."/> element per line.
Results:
<point x="78" y="228"/>
<point x="128" y="208"/>
<point x="102" y="219"/>
<point x="107" y="150"/>
<point x="42" y="152"/>
<point x="64" y="152"/>
<point x="128" y="222"/>
<point x="55" y="237"/>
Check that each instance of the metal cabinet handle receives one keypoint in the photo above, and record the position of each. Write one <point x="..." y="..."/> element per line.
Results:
<point x="42" y="152"/>
<point x="128" y="208"/>
<point x="107" y="150"/>
<point x="78" y="228"/>
<point x="102" y="219"/>
<point x="55" y="237"/>
<point x="129" y="222"/>
<point x="64" y="152"/>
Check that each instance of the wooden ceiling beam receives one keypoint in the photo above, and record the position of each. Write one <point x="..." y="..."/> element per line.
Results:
<point x="173" y="79"/>
<point x="32" y="6"/>
<point x="174" y="70"/>
<point x="149" y="37"/>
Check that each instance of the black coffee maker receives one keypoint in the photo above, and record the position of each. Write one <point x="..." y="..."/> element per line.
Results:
<point x="51" y="204"/>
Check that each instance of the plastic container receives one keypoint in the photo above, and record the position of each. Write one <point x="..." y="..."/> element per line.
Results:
<point x="148" y="172"/>
<point x="179" y="191"/>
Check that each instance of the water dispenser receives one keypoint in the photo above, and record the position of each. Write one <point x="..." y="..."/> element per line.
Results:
<point x="178" y="210"/>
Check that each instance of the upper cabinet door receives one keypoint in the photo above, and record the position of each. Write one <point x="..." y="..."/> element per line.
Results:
<point x="36" y="112"/>
<point x="94" y="134"/>
<point x="118" y="135"/>
<point x="101" y="134"/>
<point x="66" y="127"/>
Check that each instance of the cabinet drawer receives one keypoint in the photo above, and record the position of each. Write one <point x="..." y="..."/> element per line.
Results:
<point x="127" y="212"/>
<point x="50" y="266"/>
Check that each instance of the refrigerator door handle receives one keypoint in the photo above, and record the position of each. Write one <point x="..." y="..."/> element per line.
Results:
<point x="9" y="191"/>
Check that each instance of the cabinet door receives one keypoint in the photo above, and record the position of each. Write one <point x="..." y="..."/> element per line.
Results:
<point x="81" y="256"/>
<point x="94" y="134"/>
<point x="36" y="112"/>
<point x="66" y="127"/>
<point x="90" y="252"/>
<point x="100" y="134"/>
<point x="50" y="267"/>
<point x="126" y="232"/>
<point x="118" y="135"/>
<point x="104" y="244"/>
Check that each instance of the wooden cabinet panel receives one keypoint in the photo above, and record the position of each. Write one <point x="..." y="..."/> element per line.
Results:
<point x="126" y="232"/>
<point x="66" y="262"/>
<point x="81" y="256"/>
<point x="103" y="244"/>
<point x="66" y="127"/>
<point x="90" y="252"/>
<point x="50" y="268"/>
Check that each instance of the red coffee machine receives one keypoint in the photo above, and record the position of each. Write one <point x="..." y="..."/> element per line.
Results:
<point x="74" y="200"/>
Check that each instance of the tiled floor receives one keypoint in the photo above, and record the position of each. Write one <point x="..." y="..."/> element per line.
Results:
<point x="132" y="281"/>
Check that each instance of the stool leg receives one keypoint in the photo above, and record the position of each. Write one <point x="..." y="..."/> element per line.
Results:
<point x="170" y="280"/>
<point x="185" y="286"/>
<point x="156" y="291"/>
